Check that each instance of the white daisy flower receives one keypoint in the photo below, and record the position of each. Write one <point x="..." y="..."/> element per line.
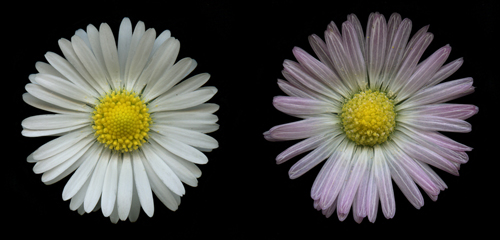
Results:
<point x="125" y="120"/>
<point x="373" y="112"/>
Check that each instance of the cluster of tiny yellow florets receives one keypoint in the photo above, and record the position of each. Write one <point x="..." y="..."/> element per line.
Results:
<point x="368" y="118"/>
<point x="121" y="121"/>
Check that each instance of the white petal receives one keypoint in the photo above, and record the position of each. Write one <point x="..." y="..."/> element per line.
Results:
<point x="137" y="61"/>
<point x="205" y="108"/>
<point x="114" y="215"/>
<point x="163" y="171"/>
<point x="171" y="77"/>
<point x="135" y="208"/>
<point x="193" y="138"/>
<point x="135" y="38"/>
<point x="160" y="62"/>
<point x="46" y="68"/>
<point x="110" y="185"/>
<point x="124" y="39"/>
<point x="188" y="85"/>
<point x="195" y="121"/>
<point x="142" y="184"/>
<point x="110" y="54"/>
<point x="60" y="144"/>
<point x="73" y="151"/>
<point x="64" y="169"/>
<point x="191" y="167"/>
<point x="183" y="101"/>
<point x="162" y="38"/>
<point x="35" y="102"/>
<point x="77" y="200"/>
<point x="56" y="99"/>
<point x="53" y="121"/>
<point x="125" y="188"/>
<point x="180" y="149"/>
<point x="52" y="132"/>
<point x="94" y="191"/>
<point x="94" y="44"/>
<point x="185" y="172"/>
<point x="90" y="63"/>
<point x="72" y="68"/>
<point x="181" y="117"/>
<point x="163" y="193"/>
<point x="84" y="36"/>
<point x="80" y="176"/>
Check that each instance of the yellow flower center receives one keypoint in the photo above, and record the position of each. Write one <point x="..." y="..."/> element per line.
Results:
<point x="368" y="118"/>
<point x="121" y="121"/>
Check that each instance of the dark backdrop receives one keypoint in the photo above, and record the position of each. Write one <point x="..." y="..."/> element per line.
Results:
<point x="242" y="192"/>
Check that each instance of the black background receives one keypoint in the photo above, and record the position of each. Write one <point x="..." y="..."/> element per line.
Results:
<point x="242" y="192"/>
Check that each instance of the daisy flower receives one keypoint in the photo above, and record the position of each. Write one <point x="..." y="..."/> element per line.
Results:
<point x="374" y="113"/>
<point x="126" y="123"/>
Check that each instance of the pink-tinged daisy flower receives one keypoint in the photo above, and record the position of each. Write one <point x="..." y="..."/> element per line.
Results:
<point x="126" y="123"/>
<point x="374" y="113"/>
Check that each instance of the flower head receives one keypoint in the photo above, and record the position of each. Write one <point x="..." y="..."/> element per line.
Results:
<point x="373" y="112"/>
<point x="125" y="121"/>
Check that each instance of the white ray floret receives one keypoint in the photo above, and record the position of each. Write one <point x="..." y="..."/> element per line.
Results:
<point x="126" y="123"/>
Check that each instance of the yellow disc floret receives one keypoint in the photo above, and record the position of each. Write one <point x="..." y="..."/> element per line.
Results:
<point x="368" y="118"/>
<point x="121" y="121"/>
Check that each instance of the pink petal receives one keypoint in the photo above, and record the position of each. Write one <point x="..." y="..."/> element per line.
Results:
<point x="384" y="184"/>
<point x="301" y="129"/>
<point x="301" y="106"/>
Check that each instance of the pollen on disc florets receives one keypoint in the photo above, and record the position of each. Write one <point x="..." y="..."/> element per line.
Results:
<point x="368" y="118"/>
<point x="121" y="121"/>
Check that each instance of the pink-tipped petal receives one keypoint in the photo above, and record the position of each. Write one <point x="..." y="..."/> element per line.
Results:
<point x="359" y="169"/>
<point x="300" y="147"/>
<point x="410" y="61"/>
<point x="322" y="72"/>
<point x="302" y="129"/>
<point x="301" y="75"/>
<point x="445" y="71"/>
<point x="320" y="49"/>
<point x="446" y="110"/>
<point x="384" y="184"/>
<point x="301" y="106"/>
<point x="404" y="181"/>
<point x="433" y="123"/>
<point x="424" y="72"/>
<point x="395" y="51"/>
<point x="440" y="93"/>
<point x="354" y="54"/>
<point x="376" y="43"/>
<point x="322" y="152"/>
<point x="424" y="154"/>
